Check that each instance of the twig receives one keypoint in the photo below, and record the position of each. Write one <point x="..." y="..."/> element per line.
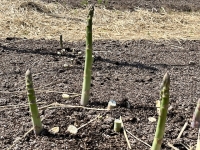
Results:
<point x="126" y="137"/>
<point x="54" y="105"/>
<point x="72" y="129"/>
<point x="49" y="91"/>
<point x="89" y="122"/>
<point x="40" y="91"/>
<point x="57" y="105"/>
<point x="182" y="130"/>
<point x="186" y="146"/>
<point x="20" y="138"/>
<point x="7" y="107"/>
<point x="138" y="139"/>
<point x="172" y="146"/>
<point x="13" y="105"/>
<point x="7" y="92"/>
<point x="20" y="105"/>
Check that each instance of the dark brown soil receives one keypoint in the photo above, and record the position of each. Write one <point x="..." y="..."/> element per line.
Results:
<point x="177" y="5"/>
<point x="128" y="72"/>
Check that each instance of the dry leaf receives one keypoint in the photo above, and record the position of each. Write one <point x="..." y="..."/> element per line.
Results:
<point x="54" y="130"/>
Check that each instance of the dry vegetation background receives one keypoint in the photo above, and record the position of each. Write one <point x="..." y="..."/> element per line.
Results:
<point x="108" y="24"/>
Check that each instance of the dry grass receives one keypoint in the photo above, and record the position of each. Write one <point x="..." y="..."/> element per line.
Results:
<point x="108" y="24"/>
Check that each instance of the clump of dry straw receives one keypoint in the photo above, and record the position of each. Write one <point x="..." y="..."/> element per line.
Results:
<point x="108" y="24"/>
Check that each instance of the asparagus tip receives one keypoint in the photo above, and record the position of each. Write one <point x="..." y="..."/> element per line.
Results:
<point x="91" y="10"/>
<point x="28" y="72"/>
<point x="166" y="79"/>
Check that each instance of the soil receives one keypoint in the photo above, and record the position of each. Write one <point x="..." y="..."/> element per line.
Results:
<point x="129" y="72"/>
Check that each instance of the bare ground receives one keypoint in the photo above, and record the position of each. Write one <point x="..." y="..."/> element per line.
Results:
<point x="128" y="71"/>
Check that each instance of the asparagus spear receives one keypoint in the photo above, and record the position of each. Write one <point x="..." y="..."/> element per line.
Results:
<point x="196" y="122"/>
<point x="37" y="125"/>
<point x="117" y="125"/>
<point x="61" y="42"/>
<point x="88" y="60"/>
<point x="196" y="116"/>
<point x="164" y="98"/>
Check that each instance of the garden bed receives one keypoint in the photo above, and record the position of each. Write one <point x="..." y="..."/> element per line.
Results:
<point x="127" y="71"/>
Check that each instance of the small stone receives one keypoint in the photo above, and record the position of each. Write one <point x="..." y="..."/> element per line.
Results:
<point x="59" y="53"/>
<point x="65" y="65"/>
<point x="112" y="104"/>
<point x="79" y="53"/>
<point x="62" y="50"/>
<point x="72" y="129"/>
<point x="152" y="119"/>
<point x="66" y="96"/>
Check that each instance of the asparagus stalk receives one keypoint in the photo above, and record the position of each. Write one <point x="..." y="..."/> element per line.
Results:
<point x="164" y="98"/>
<point x="88" y="60"/>
<point x="37" y="125"/>
<point x="117" y="125"/>
<point x="196" y="116"/>
<point x="61" y="42"/>
<point x="196" y="122"/>
<point x="198" y="141"/>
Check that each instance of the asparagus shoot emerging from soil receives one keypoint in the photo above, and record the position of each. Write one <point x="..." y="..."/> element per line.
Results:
<point x="88" y="60"/>
<point x="117" y="125"/>
<point x="37" y="125"/>
<point x="196" y="122"/>
<point x="198" y="141"/>
<point x="196" y="116"/>
<point x="164" y="98"/>
<point x="61" y="42"/>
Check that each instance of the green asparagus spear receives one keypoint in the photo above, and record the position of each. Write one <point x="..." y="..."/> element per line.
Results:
<point x="88" y="60"/>
<point x="196" y="122"/>
<point x="164" y="98"/>
<point x="61" y="42"/>
<point x="117" y="125"/>
<point x="37" y="125"/>
<point x="196" y="116"/>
